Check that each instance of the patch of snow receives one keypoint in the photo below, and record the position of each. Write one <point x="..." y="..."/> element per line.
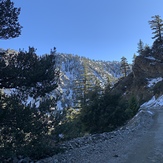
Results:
<point x="151" y="58"/>
<point x="160" y="101"/>
<point x="59" y="105"/>
<point x="153" y="102"/>
<point x="37" y="102"/>
<point x="61" y="136"/>
<point x="31" y="101"/>
<point x="150" y="112"/>
<point x="9" y="92"/>
<point x="137" y="114"/>
<point x="153" y="81"/>
<point x="149" y="103"/>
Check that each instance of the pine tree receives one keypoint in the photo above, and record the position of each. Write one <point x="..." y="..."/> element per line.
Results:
<point x="157" y="26"/>
<point x="133" y="107"/>
<point x="133" y="59"/>
<point x="140" y="47"/>
<point x="26" y="69"/>
<point x="104" y="113"/>
<point x="147" y="50"/>
<point x="86" y="81"/>
<point x="83" y="86"/>
<point x="9" y="25"/>
<point x="24" y="130"/>
<point x="124" y="66"/>
<point x="90" y="113"/>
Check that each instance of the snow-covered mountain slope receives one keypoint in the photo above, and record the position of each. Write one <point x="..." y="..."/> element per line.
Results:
<point x="75" y="69"/>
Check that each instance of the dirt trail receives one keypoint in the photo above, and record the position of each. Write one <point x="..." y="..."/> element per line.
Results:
<point x="149" y="149"/>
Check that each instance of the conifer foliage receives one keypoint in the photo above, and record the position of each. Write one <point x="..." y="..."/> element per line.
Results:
<point x="9" y="25"/>
<point x="140" y="47"/>
<point x="157" y="26"/>
<point x="26" y="129"/>
<point x="26" y="69"/>
<point x="104" y="113"/>
<point x="124" y="66"/>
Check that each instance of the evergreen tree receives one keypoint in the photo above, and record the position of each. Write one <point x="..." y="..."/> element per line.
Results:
<point x="90" y="113"/>
<point x="26" y="69"/>
<point x="147" y="50"/>
<point x="157" y="26"/>
<point x="9" y="25"/>
<point x="124" y="66"/>
<point x="132" y="108"/>
<point x="86" y="81"/>
<point x="140" y="47"/>
<point x="83" y="86"/>
<point x="104" y="113"/>
<point x="25" y="131"/>
<point x="134" y="57"/>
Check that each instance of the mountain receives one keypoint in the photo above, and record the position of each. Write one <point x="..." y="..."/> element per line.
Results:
<point x="73" y="69"/>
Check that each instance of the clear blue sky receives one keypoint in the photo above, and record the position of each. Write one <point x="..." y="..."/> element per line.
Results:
<point x="97" y="29"/>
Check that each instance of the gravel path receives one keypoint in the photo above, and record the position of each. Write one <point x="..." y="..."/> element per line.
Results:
<point x="140" y="141"/>
<point x="150" y="148"/>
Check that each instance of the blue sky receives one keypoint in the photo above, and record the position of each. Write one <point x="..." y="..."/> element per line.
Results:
<point x="97" y="29"/>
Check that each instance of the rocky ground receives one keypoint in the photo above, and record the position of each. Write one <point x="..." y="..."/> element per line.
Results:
<point x="130" y="143"/>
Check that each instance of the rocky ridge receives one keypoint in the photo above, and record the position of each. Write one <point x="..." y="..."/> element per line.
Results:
<point x="147" y="67"/>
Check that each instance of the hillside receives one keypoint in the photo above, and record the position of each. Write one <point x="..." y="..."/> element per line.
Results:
<point x="71" y="69"/>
